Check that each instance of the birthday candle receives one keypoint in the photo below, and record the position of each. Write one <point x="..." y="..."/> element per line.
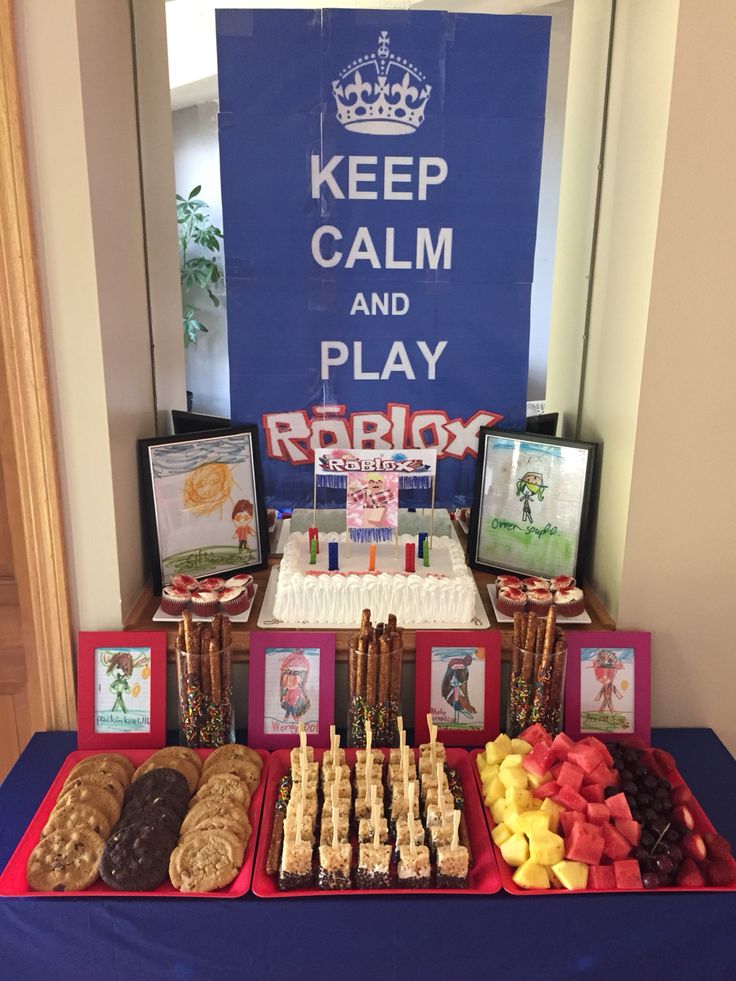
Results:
<point x="332" y="556"/>
<point x="425" y="552"/>
<point x="409" y="557"/>
<point x="314" y="537"/>
<point x="420" y="544"/>
<point x="372" y="557"/>
<point x="313" y="552"/>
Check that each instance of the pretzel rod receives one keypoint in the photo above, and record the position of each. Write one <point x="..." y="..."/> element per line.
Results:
<point x="191" y="646"/>
<point x="531" y="632"/>
<point x="205" y="670"/>
<point x="371" y="674"/>
<point x="215" y="673"/>
<point x="353" y="656"/>
<point x="359" y="689"/>
<point x="217" y="630"/>
<point x="518" y="621"/>
<point x="549" y="632"/>
<point x="226" y="642"/>
<point x="540" y="638"/>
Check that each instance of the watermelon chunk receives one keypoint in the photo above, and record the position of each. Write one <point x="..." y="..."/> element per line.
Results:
<point x="538" y="760"/>
<point x="584" y="756"/>
<point x="570" y="799"/>
<point x="627" y="874"/>
<point x="619" y="806"/>
<point x="569" y="776"/>
<point x="593" y="793"/>
<point x="548" y="789"/>
<point x="555" y="771"/>
<point x="615" y="846"/>
<point x="598" y="814"/>
<point x="664" y="759"/>
<point x="631" y="830"/>
<point x="601" y="877"/>
<point x="567" y="819"/>
<point x="561" y="746"/>
<point x="689" y="875"/>
<point x="584" y="843"/>
<point x="601" y="775"/>
<point x="601" y="747"/>
<point x="535" y="733"/>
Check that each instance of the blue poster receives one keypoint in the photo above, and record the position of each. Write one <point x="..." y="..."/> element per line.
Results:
<point x="380" y="181"/>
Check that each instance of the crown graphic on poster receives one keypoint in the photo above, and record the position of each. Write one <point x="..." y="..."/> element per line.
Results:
<point x="381" y="93"/>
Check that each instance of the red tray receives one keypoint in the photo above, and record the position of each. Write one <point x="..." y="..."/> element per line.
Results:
<point x="483" y="876"/>
<point x="13" y="880"/>
<point x="702" y="825"/>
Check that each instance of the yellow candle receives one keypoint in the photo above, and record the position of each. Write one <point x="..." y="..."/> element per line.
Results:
<point x="372" y="558"/>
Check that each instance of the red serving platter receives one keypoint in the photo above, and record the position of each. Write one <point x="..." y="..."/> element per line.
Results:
<point x="702" y="825"/>
<point x="13" y="880"/>
<point x="483" y="877"/>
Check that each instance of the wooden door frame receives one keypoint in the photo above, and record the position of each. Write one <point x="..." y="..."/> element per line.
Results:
<point x="38" y="537"/>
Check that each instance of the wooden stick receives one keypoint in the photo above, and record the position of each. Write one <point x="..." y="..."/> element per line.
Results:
<point x="455" y="830"/>
<point x="410" y="822"/>
<point x="429" y="725"/>
<point x="335" y="823"/>
<point x="376" y="826"/>
<point x="299" y="819"/>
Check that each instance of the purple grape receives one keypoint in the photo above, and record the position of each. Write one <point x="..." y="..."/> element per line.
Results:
<point x="665" y="880"/>
<point x="664" y="864"/>
<point x="650" y="880"/>
<point x="675" y="853"/>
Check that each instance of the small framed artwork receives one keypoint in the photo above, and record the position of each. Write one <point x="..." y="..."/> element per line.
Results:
<point x="607" y="687"/>
<point x="458" y="680"/>
<point x="204" y="504"/>
<point x="121" y="679"/>
<point x="532" y="496"/>
<point x="292" y="682"/>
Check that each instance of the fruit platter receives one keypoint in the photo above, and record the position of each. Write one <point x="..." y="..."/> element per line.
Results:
<point x="595" y="816"/>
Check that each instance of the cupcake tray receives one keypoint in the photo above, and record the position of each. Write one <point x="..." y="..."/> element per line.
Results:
<point x="160" y="617"/>
<point x="483" y="875"/>
<point x="702" y="825"/>
<point x="583" y="617"/>
<point x="13" y="879"/>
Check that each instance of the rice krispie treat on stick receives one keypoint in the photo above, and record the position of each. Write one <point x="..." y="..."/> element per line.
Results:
<point x="415" y="868"/>
<point x="453" y="861"/>
<point x="334" y="860"/>
<point x="374" y="864"/>
<point x="296" y="859"/>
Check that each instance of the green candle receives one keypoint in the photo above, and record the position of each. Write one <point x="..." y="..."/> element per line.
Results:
<point x="313" y="552"/>
<point x="425" y="552"/>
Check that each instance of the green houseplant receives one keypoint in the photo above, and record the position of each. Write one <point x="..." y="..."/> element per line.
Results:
<point x="200" y="272"/>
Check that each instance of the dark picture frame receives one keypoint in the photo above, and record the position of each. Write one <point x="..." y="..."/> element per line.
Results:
<point x="532" y="504"/>
<point x="203" y="499"/>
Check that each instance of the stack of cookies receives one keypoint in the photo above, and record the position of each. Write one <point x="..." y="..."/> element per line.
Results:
<point x="67" y="858"/>
<point x="216" y="829"/>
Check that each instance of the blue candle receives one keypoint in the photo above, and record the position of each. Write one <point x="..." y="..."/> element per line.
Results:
<point x="420" y="544"/>
<point x="332" y="556"/>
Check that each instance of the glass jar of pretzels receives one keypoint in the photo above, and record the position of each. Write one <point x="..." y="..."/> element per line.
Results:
<point x="537" y="678"/>
<point x="204" y="672"/>
<point x="374" y="682"/>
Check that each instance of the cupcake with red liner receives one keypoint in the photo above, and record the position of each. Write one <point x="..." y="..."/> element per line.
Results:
<point x="242" y="581"/>
<point x="234" y="601"/>
<point x="569" y="602"/>
<point x="502" y="582"/>
<point x="561" y="582"/>
<point x="511" y="600"/>
<point x="205" y="603"/>
<point x="534" y="582"/>
<point x="174" y="601"/>
<point x="180" y="581"/>
<point x="538" y="601"/>
<point x="212" y="585"/>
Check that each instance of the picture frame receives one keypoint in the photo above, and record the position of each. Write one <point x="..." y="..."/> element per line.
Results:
<point x="121" y="689"/>
<point x="291" y="681"/>
<point x="608" y="673"/>
<point x="458" y="680"/>
<point x="204" y="504"/>
<point x="532" y="504"/>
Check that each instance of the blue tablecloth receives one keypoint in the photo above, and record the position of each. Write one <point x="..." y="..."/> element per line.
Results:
<point x="673" y="936"/>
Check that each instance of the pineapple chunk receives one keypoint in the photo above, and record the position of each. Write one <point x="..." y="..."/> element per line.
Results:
<point x="511" y="816"/>
<point x="500" y="834"/>
<point x="531" y="876"/>
<point x="488" y="773"/>
<point x="481" y="761"/>
<point x="553" y="880"/>
<point x="513" y="759"/>
<point x="494" y="754"/>
<point x="498" y="810"/>
<point x="532" y="822"/>
<point x="512" y="776"/>
<point x="494" y="790"/>
<point x="503" y="743"/>
<point x="552" y="811"/>
<point x="572" y="875"/>
<point x="546" y="848"/>
<point x="536" y="781"/>
<point x="521" y="746"/>
<point x="520" y="796"/>
<point x="515" y="850"/>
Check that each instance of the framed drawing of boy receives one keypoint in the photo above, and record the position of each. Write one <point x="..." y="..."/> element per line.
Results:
<point x="458" y="678"/>
<point x="121" y="698"/>
<point x="291" y="682"/>
<point x="204" y="503"/>
<point x="533" y="500"/>
<point x="607" y="688"/>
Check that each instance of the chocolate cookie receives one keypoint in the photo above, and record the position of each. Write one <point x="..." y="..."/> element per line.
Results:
<point x="136" y="857"/>
<point x="65" y="861"/>
<point x="159" y="782"/>
<point x="179" y="763"/>
<point x="157" y="814"/>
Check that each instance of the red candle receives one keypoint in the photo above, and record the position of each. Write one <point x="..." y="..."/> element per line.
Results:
<point x="372" y="558"/>
<point x="313" y="535"/>
<point x="409" y="560"/>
